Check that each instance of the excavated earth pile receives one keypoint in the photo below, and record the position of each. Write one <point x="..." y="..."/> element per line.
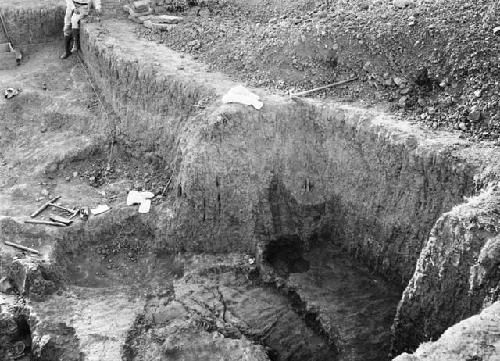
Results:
<point x="306" y="230"/>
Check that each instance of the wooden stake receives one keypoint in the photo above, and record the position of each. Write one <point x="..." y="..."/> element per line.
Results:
<point x="323" y="87"/>
<point x="47" y="223"/>
<point x="15" y="245"/>
<point x="43" y="207"/>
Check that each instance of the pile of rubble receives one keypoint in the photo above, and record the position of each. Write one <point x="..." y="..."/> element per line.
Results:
<point x="144" y="12"/>
<point x="434" y="62"/>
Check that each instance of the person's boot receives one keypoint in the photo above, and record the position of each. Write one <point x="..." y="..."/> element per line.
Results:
<point x="67" y="46"/>
<point x="76" y="40"/>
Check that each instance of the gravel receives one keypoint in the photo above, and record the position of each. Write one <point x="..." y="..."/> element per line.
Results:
<point x="434" y="62"/>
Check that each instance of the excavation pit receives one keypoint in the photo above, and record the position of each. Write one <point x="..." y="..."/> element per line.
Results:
<point x="122" y="295"/>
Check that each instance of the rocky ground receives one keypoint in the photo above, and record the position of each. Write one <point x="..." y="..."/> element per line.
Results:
<point x="432" y="61"/>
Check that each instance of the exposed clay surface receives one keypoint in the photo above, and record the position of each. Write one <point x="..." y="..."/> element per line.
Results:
<point x="476" y="338"/>
<point x="354" y="309"/>
<point x="216" y="303"/>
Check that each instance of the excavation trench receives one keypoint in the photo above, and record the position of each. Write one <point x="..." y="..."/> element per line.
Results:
<point x="288" y="233"/>
<point x="123" y="296"/>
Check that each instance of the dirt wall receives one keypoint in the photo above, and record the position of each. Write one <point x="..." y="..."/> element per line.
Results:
<point x="41" y="22"/>
<point x="151" y="106"/>
<point x="476" y="338"/>
<point x="378" y="188"/>
<point x="457" y="274"/>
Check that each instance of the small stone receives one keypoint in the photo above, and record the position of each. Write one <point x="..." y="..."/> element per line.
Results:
<point x="402" y="101"/>
<point x="141" y="6"/>
<point x="75" y="174"/>
<point x="44" y="192"/>
<point x="405" y="91"/>
<point x="401" y="4"/>
<point x="398" y="81"/>
<point x="52" y="168"/>
<point x="475" y="116"/>
<point x="462" y="126"/>
<point x="478" y="93"/>
<point x="92" y="179"/>
<point x="68" y="179"/>
<point x="496" y="30"/>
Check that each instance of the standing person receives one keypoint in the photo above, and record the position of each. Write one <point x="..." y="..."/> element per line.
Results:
<point x="76" y="10"/>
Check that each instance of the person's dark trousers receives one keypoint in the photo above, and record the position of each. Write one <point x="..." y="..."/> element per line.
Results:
<point x="76" y="40"/>
<point x="67" y="46"/>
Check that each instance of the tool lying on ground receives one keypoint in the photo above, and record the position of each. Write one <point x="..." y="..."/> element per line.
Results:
<point x="59" y="219"/>
<point x="18" y="246"/>
<point x="55" y="220"/>
<point x="321" y="88"/>
<point x="47" y="223"/>
<point x="44" y="206"/>
<point x="10" y="53"/>
<point x="52" y="203"/>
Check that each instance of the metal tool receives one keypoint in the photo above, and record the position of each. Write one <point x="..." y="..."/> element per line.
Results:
<point x="73" y="212"/>
<point x="321" y="88"/>
<point x="60" y="219"/>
